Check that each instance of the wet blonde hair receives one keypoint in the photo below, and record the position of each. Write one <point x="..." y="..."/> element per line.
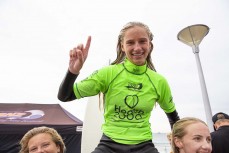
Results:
<point x="57" y="139"/>
<point x="179" y="129"/>
<point x="121" y="55"/>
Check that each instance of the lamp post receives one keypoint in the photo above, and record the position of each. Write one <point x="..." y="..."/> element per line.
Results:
<point x="192" y="36"/>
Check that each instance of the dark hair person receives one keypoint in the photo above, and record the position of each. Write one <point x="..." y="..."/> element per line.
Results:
<point x="220" y="137"/>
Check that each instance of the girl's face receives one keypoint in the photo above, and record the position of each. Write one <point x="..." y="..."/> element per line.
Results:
<point x="196" y="140"/>
<point x="42" y="143"/>
<point x="136" y="45"/>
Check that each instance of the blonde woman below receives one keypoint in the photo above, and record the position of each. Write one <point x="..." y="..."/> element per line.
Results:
<point x="42" y="139"/>
<point x="191" y="135"/>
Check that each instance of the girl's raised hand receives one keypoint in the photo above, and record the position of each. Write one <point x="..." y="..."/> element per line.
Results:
<point x="78" y="56"/>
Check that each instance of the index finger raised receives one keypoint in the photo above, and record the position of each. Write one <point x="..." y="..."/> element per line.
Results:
<point x="88" y="43"/>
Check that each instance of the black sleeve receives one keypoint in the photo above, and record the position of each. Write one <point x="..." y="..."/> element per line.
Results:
<point x="66" y="92"/>
<point x="172" y="117"/>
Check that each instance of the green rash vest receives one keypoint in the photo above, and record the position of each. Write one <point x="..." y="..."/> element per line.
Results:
<point x="130" y="93"/>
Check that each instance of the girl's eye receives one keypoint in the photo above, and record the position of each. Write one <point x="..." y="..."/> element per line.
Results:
<point x="32" y="149"/>
<point x="45" y="145"/>
<point x="209" y="140"/>
<point x="197" y="138"/>
<point x="130" y="42"/>
<point x="143" y="41"/>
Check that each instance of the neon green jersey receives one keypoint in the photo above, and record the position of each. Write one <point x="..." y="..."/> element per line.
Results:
<point x="130" y="93"/>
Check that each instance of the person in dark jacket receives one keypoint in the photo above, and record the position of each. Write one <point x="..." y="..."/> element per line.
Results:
<point x="220" y="137"/>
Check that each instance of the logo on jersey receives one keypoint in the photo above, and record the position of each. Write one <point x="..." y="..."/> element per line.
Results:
<point x="131" y="101"/>
<point x="131" y="114"/>
<point x="133" y="86"/>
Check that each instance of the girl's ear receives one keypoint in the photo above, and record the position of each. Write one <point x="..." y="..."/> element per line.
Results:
<point x="178" y="143"/>
<point x="151" y="44"/>
<point x="216" y="125"/>
<point x="122" y="48"/>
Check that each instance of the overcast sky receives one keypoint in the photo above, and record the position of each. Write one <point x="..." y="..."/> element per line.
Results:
<point x="36" y="36"/>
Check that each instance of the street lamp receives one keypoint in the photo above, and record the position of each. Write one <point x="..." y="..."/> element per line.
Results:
<point x="192" y="36"/>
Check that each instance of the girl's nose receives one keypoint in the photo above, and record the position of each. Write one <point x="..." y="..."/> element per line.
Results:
<point x="137" y="46"/>
<point x="40" y="150"/>
<point x="207" y="146"/>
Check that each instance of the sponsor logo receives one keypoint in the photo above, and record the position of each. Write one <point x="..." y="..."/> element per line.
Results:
<point x="21" y="115"/>
<point x="132" y="86"/>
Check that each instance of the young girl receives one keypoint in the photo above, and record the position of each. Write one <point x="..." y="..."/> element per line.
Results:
<point x="131" y="88"/>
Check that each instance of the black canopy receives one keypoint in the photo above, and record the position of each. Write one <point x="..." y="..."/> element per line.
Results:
<point x="16" y="119"/>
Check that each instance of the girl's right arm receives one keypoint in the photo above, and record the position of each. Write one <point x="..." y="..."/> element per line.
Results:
<point x="78" y="56"/>
<point x="66" y="92"/>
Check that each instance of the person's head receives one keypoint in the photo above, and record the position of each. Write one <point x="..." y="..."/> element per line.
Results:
<point x="190" y="135"/>
<point x="169" y="137"/>
<point x="42" y="138"/>
<point x="220" y="119"/>
<point x="135" y="44"/>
